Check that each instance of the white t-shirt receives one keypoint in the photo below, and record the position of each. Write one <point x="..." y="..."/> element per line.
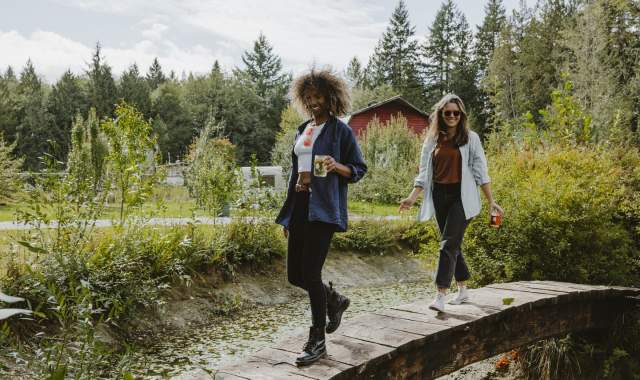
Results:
<point x="304" y="146"/>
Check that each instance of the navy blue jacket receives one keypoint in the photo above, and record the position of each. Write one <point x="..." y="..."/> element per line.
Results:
<point x="328" y="198"/>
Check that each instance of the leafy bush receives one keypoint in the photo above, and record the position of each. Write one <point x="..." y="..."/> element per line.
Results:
<point x="281" y="153"/>
<point x="253" y="243"/>
<point x="392" y="152"/>
<point x="10" y="183"/>
<point x="371" y="236"/>
<point x="211" y="177"/>
<point x="563" y="219"/>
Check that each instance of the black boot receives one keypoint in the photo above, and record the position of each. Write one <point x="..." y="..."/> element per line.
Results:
<point x="336" y="305"/>
<point x="314" y="349"/>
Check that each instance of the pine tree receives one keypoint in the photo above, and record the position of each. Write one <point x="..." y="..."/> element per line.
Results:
<point x="102" y="87"/>
<point x="263" y="68"/>
<point x="464" y="73"/>
<point x="66" y="100"/>
<point x="155" y="76"/>
<point x="172" y="123"/>
<point x="134" y="89"/>
<point x="486" y="41"/>
<point x="263" y="73"/>
<point x="8" y="105"/>
<point x="488" y="34"/>
<point x="439" y="52"/>
<point x="33" y="135"/>
<point x="395" y="60"/>
<point x="354" y="73"/>
<point x="10" y="181"/>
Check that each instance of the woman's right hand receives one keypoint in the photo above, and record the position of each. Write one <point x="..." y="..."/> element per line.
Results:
<point x="407" y="203"/>
<point x="285" y="232"/>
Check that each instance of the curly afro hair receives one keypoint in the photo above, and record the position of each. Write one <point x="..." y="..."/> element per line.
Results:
<point x="334" y="89"/>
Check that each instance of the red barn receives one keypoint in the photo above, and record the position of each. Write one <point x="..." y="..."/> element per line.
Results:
<point x="417" y="119"/>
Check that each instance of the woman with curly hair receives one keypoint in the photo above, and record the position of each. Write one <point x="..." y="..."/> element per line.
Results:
<point x="452" y="166"/>
<point x="316" y="204"/>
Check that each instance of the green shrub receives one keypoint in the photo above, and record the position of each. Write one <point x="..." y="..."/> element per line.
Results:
<point x="254" y="243"/>
<point x="371" y="236"/>
<point x="392" y="153"/>
<point x="563" y="219"/>
<point x="212" y="178"/>
<point x="10" y="183"/>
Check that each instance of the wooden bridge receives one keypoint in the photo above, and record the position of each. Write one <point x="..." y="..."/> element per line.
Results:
<point x="413" y="342"/>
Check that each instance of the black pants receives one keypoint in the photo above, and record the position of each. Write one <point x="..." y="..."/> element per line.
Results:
<point x="307" y="250"/>
<point x="452" y="224"/>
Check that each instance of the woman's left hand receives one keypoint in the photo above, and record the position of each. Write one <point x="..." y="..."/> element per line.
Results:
<point x="330" y="164"/>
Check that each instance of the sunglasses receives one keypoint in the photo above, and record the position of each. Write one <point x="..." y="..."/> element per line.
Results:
<point x="451" y="113"/>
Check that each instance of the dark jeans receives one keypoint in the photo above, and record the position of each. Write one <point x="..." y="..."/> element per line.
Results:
<point x="452" y="224"/>
<point x="307" y="249"/>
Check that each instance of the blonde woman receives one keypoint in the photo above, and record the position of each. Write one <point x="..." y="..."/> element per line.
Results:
<point x="316" y="206"/>
<point x="452" y="167"/>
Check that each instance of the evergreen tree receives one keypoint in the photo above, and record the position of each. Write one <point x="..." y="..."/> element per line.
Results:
<point x="263" y="73"/>
<point x="134" y="89"/>
<point x="354" y="73"/>
<point x="8" y="105"/>
<point x="66" y="100"/>
<point x="464" y="73"/>
<point x="263" y="68"/>
<point x="155" y="76"/>
<point x="33" y="135"/>
<point x="10" y="182"/>
<point x="102" y="87"/>
<point x="488" y="34"/>
<point x="486" y="41"/>
<point x="395" y="60"/>
<point x="439" y="52"/>
<point x="171" y="121"/>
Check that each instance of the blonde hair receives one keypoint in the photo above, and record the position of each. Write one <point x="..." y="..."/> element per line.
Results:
<point x="437" y="121"/>
<point x="334" y="89"/>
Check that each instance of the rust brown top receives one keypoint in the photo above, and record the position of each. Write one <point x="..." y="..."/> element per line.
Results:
<point x="447" y="161"/>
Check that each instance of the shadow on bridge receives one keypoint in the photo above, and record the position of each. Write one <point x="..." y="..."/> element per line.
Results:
<point x="413" y="342"/>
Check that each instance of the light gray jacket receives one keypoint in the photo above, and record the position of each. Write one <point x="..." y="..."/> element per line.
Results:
<point x="474" y="174"/>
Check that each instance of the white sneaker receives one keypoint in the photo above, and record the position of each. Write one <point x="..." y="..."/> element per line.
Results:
<point x="462" y="296"/>
<point x="438" y="303"/>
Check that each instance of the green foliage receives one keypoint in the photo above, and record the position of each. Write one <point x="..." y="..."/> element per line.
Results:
<point x="211" y="177"/>
<point x="391" y="151"/>
<point x="565" y="218"/>
<point x="87" y="155"/>
<point x="10" y="182"/>
<point x="102" y="91"/>
<point x="131" y="159"/>
<point x="257" y="199"/>
<point x="555" y="358"/>
<point x="249" y="243"/>
<point x="290" y="120"/>
<point x="375" y="237"/>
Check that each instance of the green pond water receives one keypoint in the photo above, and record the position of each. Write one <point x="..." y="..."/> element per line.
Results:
<point x="232" y="338"/>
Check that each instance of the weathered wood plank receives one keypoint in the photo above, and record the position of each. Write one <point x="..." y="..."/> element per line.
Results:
<point x="322" y="369"/>
<point x="227" y="376"/>
<point x="355" y="351"/>
<point x="400" y="324"/>
<point x="521" y="288"/>
<point x="259" y="369"/>
<point x="377" y="334"/>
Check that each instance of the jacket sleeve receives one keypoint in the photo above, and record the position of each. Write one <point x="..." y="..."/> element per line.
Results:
<point x="478" y="161"/>
<point x="422" y="172"/>
<point x="352" y="156"/>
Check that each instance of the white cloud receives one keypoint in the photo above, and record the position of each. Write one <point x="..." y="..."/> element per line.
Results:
<point x="155" y="31"/>
<point x="301" y="31"/>
<point x="52" y="54"/>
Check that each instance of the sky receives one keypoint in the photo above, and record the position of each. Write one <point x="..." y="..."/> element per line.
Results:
<point x="189" y="35"/>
